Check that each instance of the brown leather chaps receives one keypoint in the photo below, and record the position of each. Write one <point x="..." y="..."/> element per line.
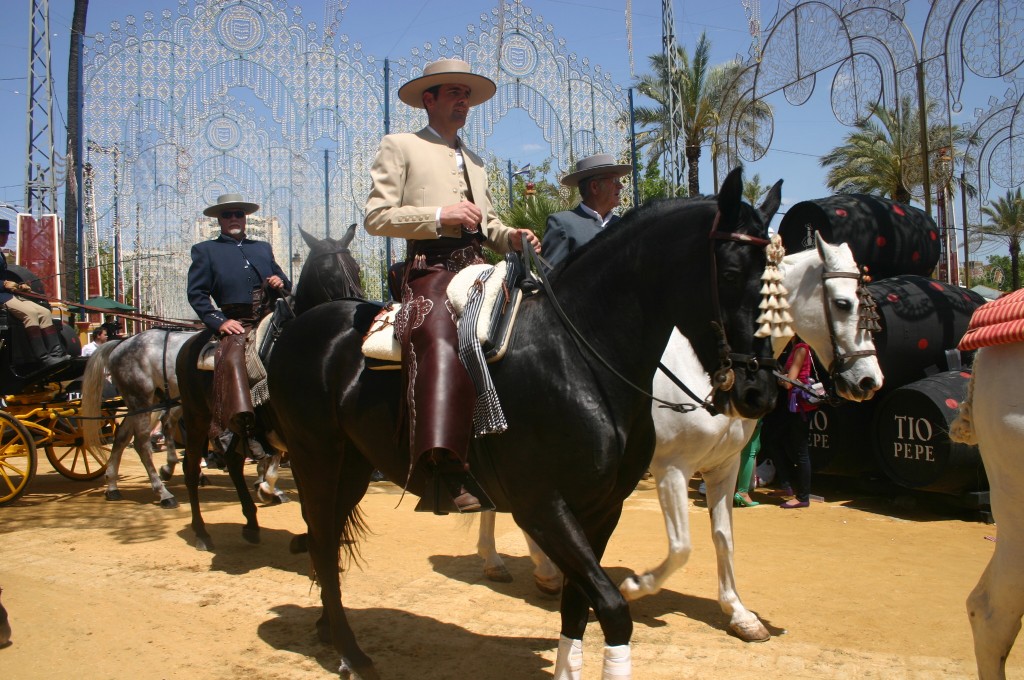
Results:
<point x="232" y="402"/>
<point x="439" y="392"/>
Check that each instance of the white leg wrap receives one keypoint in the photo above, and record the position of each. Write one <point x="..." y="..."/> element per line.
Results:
<point x="569" y="663"/>
<point x="617" y="663"/>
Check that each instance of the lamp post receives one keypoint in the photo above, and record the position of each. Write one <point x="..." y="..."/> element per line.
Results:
<point x="526" y="169"/>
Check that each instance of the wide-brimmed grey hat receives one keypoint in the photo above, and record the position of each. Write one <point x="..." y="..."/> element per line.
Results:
<point x="230" y="202"/>
<point x="598" y="164"/>
<point x="443" y="72"/>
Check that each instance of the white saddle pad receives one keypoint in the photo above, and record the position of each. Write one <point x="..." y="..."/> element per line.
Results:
<point x="380" y="341"/>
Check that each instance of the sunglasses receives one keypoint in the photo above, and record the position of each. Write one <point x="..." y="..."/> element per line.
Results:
<point x="232" y="213"/>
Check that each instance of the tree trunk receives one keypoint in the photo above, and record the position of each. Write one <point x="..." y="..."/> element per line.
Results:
<point x="692" y="169"/>
<point x="1014" y="259"/>
<point x="69" y="265"/>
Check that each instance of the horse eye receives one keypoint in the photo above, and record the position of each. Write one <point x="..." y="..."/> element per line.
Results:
<point x="730" y="276"/>
<point x="844" y="305"/>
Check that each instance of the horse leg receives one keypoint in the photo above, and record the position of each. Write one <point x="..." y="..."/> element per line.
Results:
<point x="546" y="576"/>
<point x="167" y="427"/>
<point x="235" y="457"/>
<point x="121" y="438"/>
<point x="721" y="485"/>
<point x="268" y="472"/>
<point x="144" y="447"/>
<point x="494" y="567"/>
<point x="672" y="483"/>
<point x="331" y="487"/>
<point x="995" y="607"/>
<point x="578" y="554"/>
<point x="195" y="447"/>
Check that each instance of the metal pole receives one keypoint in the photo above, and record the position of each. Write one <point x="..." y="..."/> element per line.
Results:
<point x="327" y="198"/>
<point x="967" y="247"/>
<point x="632" y="151"/>
<point x="387" y="130"/>
<point x="79" y="152"/>
<point x="510" y="185"/>
<point x="291" y="253"/>
<point x="926" y="179"/>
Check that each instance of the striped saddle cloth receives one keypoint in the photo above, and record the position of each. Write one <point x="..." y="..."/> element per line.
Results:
<point x="999" y="322"/>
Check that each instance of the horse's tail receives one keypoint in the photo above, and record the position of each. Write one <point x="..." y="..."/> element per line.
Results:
<point x="961" y="430"/>
<point x="92" y="393"/>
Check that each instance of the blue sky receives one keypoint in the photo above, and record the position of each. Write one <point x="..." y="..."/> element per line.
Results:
<point x="592" y="28"/>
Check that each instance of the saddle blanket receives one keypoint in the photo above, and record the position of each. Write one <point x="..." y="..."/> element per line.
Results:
<point x="999" y="322"/>
<point x="380" y="342"/>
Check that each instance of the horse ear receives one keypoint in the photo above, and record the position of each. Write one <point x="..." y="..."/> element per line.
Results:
<point x="350" y="234"/>
<point x="730" y="195"/>
<point x="311" y="241"/>
<point x="826" y="251"/>
<point x="771" y="203"/>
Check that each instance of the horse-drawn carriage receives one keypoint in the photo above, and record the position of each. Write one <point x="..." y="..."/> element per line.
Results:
<point x="41" y="407"/>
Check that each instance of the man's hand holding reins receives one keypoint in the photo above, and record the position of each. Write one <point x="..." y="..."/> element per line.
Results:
<point x="516" y="240"/>
<point x="275" y="282"/>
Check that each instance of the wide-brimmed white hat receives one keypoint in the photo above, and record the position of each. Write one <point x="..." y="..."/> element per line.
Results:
<point x="230" y="202"/>
<point x="598" y="164"/>
<point x="443" y="72"/>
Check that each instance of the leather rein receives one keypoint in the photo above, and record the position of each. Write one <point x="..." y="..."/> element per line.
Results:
<point x="724" y="378"/>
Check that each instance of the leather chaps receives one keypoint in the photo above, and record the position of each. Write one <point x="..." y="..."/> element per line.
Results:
<point x="232" y="401"/>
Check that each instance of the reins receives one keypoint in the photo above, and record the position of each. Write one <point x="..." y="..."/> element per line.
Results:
<point x="723" y="377"/>
<point x="839" y="360"/>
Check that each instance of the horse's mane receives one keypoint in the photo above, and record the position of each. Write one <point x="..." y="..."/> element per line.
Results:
<point x="649" y="211"/>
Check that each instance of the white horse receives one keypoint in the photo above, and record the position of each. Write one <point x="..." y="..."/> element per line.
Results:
<point x="141" y="367"/>
<point x="823" y="296"/>
<point x="993" y="418"/>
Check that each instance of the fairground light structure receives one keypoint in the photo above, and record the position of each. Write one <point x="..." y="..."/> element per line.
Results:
<point x="873" y="57"/>
<point x="248" y="96"/>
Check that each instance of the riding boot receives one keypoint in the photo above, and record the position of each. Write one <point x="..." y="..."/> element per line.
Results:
<point x="46" y="346"/>
<point x="452" y="487"/>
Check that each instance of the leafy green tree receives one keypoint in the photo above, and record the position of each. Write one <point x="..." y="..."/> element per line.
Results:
<point x="998" y="273"/>
<point x="1006" y="223"/>
<point x="705" y="91"/>
<point x="753" y="190"/>
<point x="882" y="156"/>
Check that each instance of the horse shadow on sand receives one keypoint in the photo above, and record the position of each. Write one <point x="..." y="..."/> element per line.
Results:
<point x="652" y="611"/>
<point x="405" y="645"/>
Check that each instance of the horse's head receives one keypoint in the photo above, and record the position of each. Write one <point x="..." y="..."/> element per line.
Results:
<point x="330" y="271"/>
<point x="829" y="314"/>
<point x="743" y="380"/>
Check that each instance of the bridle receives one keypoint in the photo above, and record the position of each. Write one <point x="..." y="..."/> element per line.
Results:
<point x="867" y="321"/>
<point x="354" y="289"/>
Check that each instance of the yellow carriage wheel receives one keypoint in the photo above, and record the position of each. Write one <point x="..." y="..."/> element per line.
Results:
<point x="17" y="458"/>
<point x="67" y="453"/>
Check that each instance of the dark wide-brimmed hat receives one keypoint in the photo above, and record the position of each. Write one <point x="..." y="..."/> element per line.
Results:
<point x="444" y="72"/>
<point x="230" y="202"/>
<point x="5" y="226"/>
<point x="598" y="164"/>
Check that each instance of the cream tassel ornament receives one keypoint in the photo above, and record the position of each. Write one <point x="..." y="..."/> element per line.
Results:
<point x="775" y="320"/>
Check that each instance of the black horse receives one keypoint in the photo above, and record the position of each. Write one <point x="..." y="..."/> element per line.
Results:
<point x="580" y="435"/>
<point x="330" y="272"/>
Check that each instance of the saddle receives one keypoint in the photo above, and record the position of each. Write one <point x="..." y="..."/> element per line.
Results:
<point x="483" y="296"/>
<point x="258" y="348"/>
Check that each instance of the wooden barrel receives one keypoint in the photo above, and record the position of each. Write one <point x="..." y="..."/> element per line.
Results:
<point x="836" y="441"/>
<point x="921" y="320"/>
<point x="890" y="238"/>
<point x="910" y="433"/>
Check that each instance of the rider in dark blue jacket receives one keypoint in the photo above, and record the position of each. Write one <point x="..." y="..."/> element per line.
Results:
<point x="237" y="273"/>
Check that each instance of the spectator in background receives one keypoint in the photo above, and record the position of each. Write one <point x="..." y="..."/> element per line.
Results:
<point x="113" y="326"/>
<point x="96" y="338"/>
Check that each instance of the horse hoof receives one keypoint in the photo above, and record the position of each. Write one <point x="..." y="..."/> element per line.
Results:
<point x="169" y="503"/>
<point x="204" y="544"/>
<point x="631" y="588"/>
<point x="281" y="497"/>
<point x="750" y="631"/>
<point x="498" y="574"/>
<point x="251" y="535"/>
<point x="203" y="481"/>
<point x="350" y="672"/>
<point x="165" y="474"/>
<point x="298" y="545"/>
<point x="548" y="586"/>
<point x="114" y="495"/>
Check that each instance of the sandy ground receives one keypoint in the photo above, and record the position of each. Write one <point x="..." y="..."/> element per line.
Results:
<point x="852" y="587"/>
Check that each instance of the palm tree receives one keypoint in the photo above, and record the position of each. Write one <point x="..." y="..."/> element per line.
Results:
<point x="1006" y="222"/>
<point x="704" y="91"/>
<point x="882" y="155"/>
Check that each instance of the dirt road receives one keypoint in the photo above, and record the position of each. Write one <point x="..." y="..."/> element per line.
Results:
<point x="849" y="588"/>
